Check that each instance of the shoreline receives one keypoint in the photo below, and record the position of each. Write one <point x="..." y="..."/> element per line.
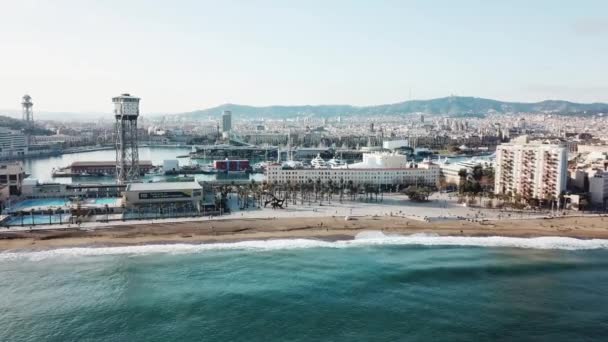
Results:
<point x="326" y="228"/>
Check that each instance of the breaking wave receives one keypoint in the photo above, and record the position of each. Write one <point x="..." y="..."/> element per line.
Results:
<point x="367" y="238"/>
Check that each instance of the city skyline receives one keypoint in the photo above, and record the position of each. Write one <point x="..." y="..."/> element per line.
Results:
<point x="198" y="55"/>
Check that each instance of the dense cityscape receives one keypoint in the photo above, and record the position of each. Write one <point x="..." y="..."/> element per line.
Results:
<point x="301" y="171"/>
<point x="530" y="162"/>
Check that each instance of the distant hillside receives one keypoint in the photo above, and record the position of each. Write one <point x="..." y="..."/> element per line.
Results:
<point x="453" y="105"/>
<point x="19" y="125"/>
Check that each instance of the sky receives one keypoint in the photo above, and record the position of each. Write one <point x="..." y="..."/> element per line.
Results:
<point x="178" y="56"/>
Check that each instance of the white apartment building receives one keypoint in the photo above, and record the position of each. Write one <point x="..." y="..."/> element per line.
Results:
<point x="532" y="170"/>
<point x="12" y="143"/>
<point x="451" y="171"/>
<point x="376" y="169"/>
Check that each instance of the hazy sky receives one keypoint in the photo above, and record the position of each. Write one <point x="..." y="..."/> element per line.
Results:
<point x="185" y="55"/>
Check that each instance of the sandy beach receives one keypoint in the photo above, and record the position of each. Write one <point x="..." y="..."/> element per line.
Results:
<point x="326" y="228"/>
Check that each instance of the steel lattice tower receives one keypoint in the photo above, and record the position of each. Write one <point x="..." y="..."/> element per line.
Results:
<point x="126" y="112"/>
<point x="28" y="113"/>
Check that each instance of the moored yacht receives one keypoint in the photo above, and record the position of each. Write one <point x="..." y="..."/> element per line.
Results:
<point x="293" y="164"/>
<point x="318" y="162"/>
<point x="336" y="162"/>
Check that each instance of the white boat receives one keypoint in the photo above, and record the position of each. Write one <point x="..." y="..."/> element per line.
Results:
<point x="318" y="162"/>
<point x="259" y="167"/>
<point x="336" y="163"/>
<point x="292" y="164"/>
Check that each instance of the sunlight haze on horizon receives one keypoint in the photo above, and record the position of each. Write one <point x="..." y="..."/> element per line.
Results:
<point x="73" y="56"/>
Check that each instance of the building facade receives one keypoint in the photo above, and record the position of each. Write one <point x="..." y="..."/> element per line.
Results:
<point x="105" y="167"/>
<point x="376" y="169"/>
<point x="227" y="121"/>
<point x="164" y="194"/>
<point x="598" y="189"/>
<point x="12" y="175"/>
<point x="532" y="170"/>
<point x="13" y="144"/>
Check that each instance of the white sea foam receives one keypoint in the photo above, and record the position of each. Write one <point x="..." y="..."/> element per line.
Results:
<point x="367" y="238"/>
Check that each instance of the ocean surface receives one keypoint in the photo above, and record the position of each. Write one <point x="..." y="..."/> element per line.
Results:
<point x="375" y="288"/>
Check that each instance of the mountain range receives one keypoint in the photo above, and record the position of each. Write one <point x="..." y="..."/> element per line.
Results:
<point x="452" y="106"/>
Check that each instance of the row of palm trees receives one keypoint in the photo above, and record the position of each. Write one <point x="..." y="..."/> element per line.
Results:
<point x="509" y="199"/>
<point x="255" y="194"/>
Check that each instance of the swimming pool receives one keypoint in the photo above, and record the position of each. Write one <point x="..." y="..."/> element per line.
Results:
<point x="38" y="202"/>
<point x="105" y="200"/>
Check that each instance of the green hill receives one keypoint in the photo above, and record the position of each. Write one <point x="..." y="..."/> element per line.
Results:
<point x="453" y="106"/>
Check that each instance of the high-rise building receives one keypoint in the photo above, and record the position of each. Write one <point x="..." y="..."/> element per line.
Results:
<point x="227" y="121"/>
<point x="532" y="170"/>
<point x="598" y="189"/>
<point x="126" y="112"/>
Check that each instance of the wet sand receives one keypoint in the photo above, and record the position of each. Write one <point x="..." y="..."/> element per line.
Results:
<point x="326" y="228"/>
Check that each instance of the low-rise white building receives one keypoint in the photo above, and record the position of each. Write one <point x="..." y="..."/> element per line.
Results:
<point x="375" y="169"/>
<point x="451" y="171"/>
<point x="158" y="193"/>
<point x="395" y="144"/>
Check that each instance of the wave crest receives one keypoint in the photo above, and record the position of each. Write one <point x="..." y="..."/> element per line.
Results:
<point x="366" y="238"/>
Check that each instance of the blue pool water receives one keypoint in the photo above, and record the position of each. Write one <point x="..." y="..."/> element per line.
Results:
<point x="105" y="200"/>
<point x="39" y="202"/>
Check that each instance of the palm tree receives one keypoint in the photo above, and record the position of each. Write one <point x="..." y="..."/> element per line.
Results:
<point x="60" y="212"/>
<point x="463" y="174"/>
<point x="50" y="212"/>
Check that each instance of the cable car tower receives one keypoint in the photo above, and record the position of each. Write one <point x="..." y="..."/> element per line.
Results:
<point x="126" y="112"/>
<point x="28" y="113"/>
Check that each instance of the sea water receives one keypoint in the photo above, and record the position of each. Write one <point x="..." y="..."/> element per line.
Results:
<point x="374" y="288"/>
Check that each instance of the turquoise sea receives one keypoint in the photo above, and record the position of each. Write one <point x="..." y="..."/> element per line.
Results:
<point x="375" y="288"/>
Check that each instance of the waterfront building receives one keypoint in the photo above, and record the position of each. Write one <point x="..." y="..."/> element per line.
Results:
<point x="395" y="144"/>
<point x="12" y="175"/>
<point x="382" y="169"/>
<point x="161" y="195"/>
<point x="32" y="188"/>
<point x="532" y="170"/>
<point x="104" y="167"/>
<point x="170" y="165"/>
<point x="13" y="144"/>
<point x="451" y="171"/>
<point x="227" y="121"/>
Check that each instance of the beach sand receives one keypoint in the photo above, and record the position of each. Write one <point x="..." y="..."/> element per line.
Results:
<point x="326" y="228"/>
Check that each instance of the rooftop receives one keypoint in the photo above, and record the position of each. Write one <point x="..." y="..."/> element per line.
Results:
<point x="166" y="186"/>
<point x="104" y="163"/>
